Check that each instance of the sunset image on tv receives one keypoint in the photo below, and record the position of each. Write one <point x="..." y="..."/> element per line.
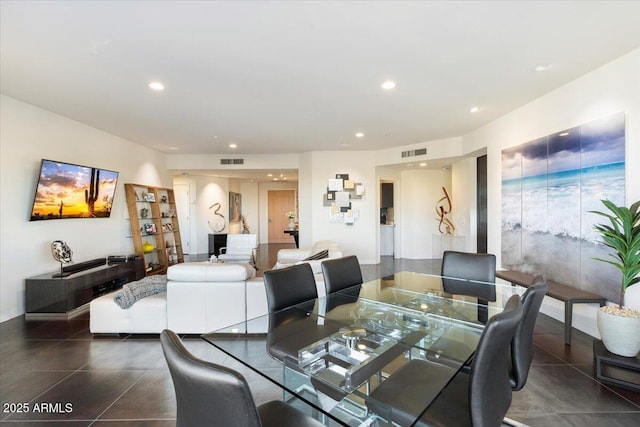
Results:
<point x="73" y="191"/>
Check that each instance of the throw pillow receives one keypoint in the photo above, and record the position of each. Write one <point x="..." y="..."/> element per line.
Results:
<point x="320" y="255"/>
<point x="135" y="291"/>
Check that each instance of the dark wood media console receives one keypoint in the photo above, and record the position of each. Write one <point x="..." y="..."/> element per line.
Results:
<point x="63" y="297"/>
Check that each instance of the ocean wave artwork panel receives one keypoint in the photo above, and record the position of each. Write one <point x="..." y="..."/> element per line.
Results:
<point x="549" y="185"/>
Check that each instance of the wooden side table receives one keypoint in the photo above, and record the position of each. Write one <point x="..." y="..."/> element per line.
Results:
<point x="614" y="369"/>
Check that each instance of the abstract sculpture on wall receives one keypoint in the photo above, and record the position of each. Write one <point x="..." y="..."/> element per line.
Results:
<point x="443" y="208"/>
<point x="219" y="222"/>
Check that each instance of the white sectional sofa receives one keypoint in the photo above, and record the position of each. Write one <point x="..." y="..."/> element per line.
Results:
<point x="202" y="297"/>
<point x="288" y="257"/>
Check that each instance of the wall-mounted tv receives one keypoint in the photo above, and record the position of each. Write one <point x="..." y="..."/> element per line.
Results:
<point x="67" y="190"/>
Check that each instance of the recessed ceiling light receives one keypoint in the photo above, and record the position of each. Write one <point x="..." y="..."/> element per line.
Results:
<point x="232" y="145"/>
<point x="275" y="179"/>
<point x="542" y="67"/>
<point x="173" y="148"/>
<point x="359" y="135"/>
<point x="388" y="85"/>
<point x="423" y="164"/>
<point x="563" y="134"/>
<point x="157" y="86"/>
<point x="269" y="174"/>
<point x="474" y="110"/>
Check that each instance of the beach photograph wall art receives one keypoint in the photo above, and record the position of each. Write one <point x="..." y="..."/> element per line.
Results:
<point x="549" y="187"/>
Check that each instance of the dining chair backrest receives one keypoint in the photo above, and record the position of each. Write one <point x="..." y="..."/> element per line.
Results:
<point x="289" y="286"/>
<point x="341" y="273"/>
<point x="206" y="393"/>
<point x="469" y="266"/>
<point x="522" y="345"/>
<point x="489" y="383"/>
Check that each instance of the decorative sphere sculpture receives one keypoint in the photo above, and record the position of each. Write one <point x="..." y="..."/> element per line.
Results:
<point x="61" y="251"/>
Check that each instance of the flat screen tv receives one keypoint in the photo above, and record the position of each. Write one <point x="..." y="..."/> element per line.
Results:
<point x="66" y="190"/>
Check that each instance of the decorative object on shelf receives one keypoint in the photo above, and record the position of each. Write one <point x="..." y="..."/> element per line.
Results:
<point x="164" y="199"/>
<point x="235" y="207"/>
<point x="62" y="253"/>
<point x="148" y="197"/>
<point x="219" y="222"/>
<point x="443" y="208"/>
<point x="340" y="192"/>
<point x="150" y="228"/>
<point x="147" y="247"/>
<point x="619" y="326"/>
<point x="292" y="216"/>
<point x="144" y="212"/>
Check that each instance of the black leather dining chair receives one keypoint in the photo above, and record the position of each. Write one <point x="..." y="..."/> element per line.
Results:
<point x="208" y="394"/>
<point x="469" y="266"/>
<point x="342" y="274"/>
<point x="289" y="286"/>
<point x="522" y="345"/>
<point x="480" y="399"/>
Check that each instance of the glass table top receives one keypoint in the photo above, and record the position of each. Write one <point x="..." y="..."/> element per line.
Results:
<point x="334" y="349"/>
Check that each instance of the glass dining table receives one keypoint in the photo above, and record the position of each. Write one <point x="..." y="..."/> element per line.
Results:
<point x="330" y="352"/>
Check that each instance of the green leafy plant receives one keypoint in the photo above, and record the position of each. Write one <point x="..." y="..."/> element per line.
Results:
<point x="623" y="236"/>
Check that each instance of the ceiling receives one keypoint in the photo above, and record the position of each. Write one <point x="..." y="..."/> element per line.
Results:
<point x="288" y="77"/>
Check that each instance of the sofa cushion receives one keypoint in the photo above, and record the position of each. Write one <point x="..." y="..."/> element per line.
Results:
<point x="210" y="272"/>
<point x="148" y="316"/>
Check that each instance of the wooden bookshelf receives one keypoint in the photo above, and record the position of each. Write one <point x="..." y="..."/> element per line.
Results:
<point x="153" y="218"/>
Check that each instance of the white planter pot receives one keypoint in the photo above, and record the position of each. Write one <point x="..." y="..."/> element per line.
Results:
<point x="632" y="297"/>
<point x="620" y="335"/>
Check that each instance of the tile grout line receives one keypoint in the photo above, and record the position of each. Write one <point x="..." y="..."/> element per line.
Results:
<point x="118" y="398"/>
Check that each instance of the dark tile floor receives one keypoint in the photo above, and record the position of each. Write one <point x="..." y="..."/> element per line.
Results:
<point x="59" y="374"/>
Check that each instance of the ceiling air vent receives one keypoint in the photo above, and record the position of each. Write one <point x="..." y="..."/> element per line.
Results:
<point x="232" y="161"/>
<point x="411" y="153"/>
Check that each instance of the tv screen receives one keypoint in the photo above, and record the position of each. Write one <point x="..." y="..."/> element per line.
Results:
<point x="66" y="190"/>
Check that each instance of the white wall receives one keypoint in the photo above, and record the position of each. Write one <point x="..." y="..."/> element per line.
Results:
<point x="610" y="89"/>
<point x="420" y="190"/>
<point x="29" y="134"/>
<point x="208" y="190"/>
<point x="464" y="201"/>
<point x="359" y="239"/>
<point x="251" y="206"/>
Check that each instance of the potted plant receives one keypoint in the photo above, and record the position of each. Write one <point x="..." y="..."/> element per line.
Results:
<point x="619" y="326"/>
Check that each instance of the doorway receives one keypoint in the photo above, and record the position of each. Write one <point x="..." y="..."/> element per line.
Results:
<point x="279" y="202"/>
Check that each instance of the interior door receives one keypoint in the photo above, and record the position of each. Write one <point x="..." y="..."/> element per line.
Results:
<point x="279" y="202"/>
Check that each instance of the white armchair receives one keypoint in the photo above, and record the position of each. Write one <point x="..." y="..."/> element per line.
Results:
<point x="288" y="257"/>
<point x="240" y="248"/>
